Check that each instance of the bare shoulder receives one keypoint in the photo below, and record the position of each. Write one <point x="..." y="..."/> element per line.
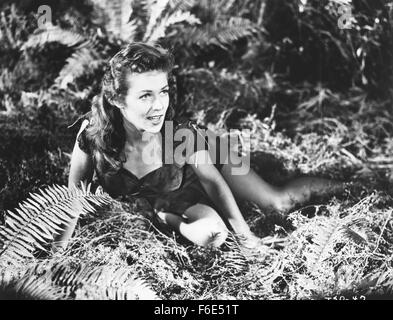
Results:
<point x="84" y="125"/>
<point x="82" y="141"/>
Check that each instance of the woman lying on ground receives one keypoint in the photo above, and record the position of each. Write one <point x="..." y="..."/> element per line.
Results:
<point x="125" y="141"/>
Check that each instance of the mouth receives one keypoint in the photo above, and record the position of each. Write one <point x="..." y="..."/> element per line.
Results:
<point x="155" y="118"/>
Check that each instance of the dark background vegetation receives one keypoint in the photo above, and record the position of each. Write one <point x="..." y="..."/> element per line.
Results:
<point x="318" y="98"/>
<point x="282" y="53"/>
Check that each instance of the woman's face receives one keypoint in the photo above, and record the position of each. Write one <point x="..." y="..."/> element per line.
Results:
<point x="147" y="100"/>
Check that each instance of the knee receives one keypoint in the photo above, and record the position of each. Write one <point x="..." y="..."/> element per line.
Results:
<point x="217" y="235"/>
<point x="282" y="201"/>
<point x="204" y="226"/>
<point x="214" y="234"/>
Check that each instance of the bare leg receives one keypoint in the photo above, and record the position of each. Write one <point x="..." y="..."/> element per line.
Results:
<point x="252" y="187"/>
<point x="301" y="190"/>
<point x="202" y="225"/>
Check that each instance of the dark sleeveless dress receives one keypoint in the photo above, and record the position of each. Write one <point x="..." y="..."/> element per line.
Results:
<point x="173" y="187"/>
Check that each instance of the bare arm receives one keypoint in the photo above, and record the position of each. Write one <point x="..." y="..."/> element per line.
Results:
<point x="218" y="190"/>
<point x="81" y="170"/>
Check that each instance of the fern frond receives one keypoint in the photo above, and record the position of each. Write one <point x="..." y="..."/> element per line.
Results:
<point x="181" y="5"/>
<point x="141" y="10"/>
<point x="118" y="21"/>
<point x="236" y="28"/>
<point x="60" y="281"/>
<point x="235" y="260"/>
<point x="177" y="17"/>
<point x="322" y="242"/>
<point x="53" y="33"/>
<point x="100" y="283"/>
<point x="355" y="235"/>
<point x="156" y="10"/>
<point x="30" y="287"/>
<point x="83" y="60"/>
<point x="274" y="270"/>
<point x="34" y="223"/>
<point x="221" y="33"/>
<point x="385" y="281"/>
<point x="12" y="27"/>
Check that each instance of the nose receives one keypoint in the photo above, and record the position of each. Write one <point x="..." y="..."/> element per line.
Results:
<point x="158" y="104"/>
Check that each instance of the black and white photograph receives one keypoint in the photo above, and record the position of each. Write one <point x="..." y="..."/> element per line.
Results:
<point x="214" y="152"/>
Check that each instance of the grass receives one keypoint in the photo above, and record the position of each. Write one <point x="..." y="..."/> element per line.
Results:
<point x="333" y="246"/>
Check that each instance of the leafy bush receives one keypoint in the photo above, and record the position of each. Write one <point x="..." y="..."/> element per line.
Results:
<point x="316" y="98"/>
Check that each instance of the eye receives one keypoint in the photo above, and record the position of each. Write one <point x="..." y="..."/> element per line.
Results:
<point x="145" y="96"/>
<point x="165" y="92"/>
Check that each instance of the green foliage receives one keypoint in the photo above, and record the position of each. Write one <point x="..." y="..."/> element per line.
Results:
<point x="316" y="99"/>
<point x="34" y="223"/>
<point x="305" y="43"/>
<point x="14" y="29"/>
<point x="115" y="16"/>
<point x="338" y="251"/>
<point x="214" y="92"/>
<point x="28" y="288"/>
<point x="52" y="34"/>
<point x="77" y="64"/>
<point x="320" y="259"/>
<point x="61" y="281"/>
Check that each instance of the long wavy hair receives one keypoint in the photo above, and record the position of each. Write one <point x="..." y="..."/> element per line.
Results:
<point x="106" y="132"/>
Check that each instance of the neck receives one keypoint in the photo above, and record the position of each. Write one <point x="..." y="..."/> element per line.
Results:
<point x="134" y="136"/>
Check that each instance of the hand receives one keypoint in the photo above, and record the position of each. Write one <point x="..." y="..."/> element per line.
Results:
<point x="249" y="241"/>
<point x="252" y="244"/>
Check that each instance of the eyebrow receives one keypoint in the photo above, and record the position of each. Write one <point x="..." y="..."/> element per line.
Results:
<point x="164" y="87"/>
